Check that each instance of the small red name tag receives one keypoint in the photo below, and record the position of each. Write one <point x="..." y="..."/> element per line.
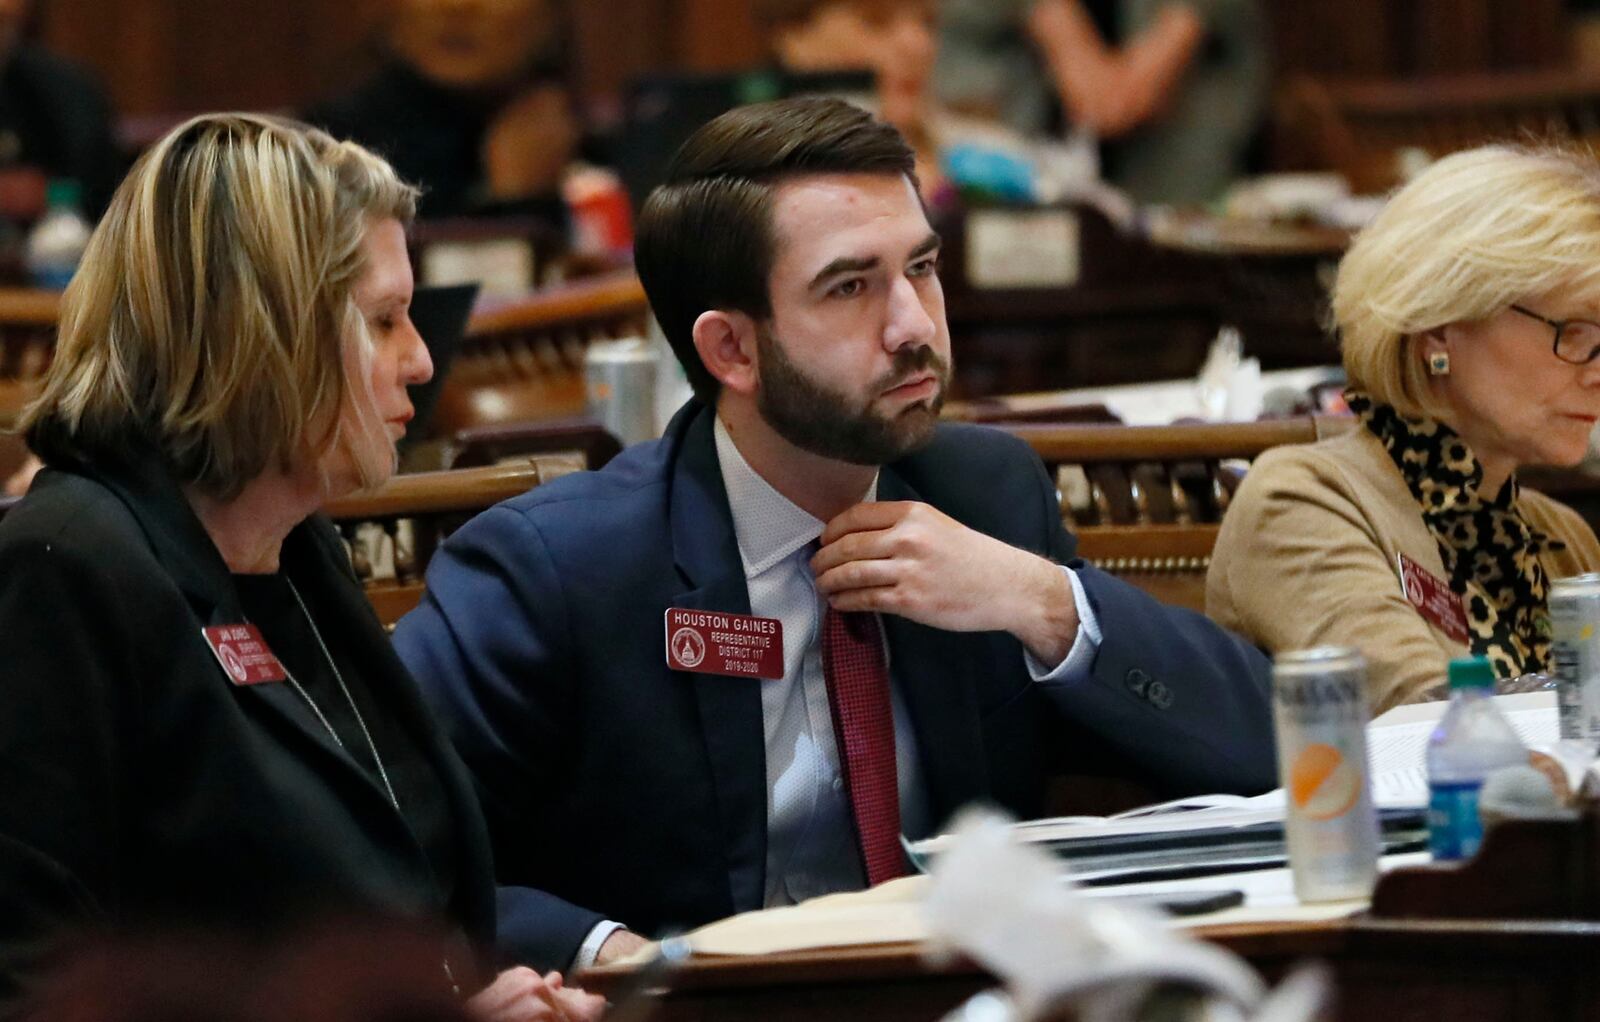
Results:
<point x="1433" y="599"/>
<point x="244" y="654"/>
<point x="711" y="642"/>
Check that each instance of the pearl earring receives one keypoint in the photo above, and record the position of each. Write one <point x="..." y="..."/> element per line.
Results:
<point x="1439" y="364"/>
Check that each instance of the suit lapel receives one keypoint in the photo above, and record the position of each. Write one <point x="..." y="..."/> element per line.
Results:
<point x="327" y="567"/>
<point x="934" y="670"/>
<point x="706" y="553"/>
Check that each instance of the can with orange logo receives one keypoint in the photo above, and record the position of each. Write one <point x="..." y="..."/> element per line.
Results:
<point x="1319" y="705"/>
<point x="1575" y="655"/>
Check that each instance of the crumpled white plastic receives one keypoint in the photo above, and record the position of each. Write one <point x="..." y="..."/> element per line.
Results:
<point x="1007" y="907"/>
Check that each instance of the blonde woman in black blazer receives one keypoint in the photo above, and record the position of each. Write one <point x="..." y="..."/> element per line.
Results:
<point x="201" y="721"/>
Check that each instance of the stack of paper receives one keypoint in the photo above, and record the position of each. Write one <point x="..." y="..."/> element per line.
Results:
<point x="1226" y="833"/>
<point x="1397" y="742"/>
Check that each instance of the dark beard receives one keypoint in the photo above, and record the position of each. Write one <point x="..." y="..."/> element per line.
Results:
<point x="822" y="421"/>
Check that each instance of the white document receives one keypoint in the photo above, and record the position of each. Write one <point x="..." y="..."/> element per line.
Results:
<point x="1397" y="742"/>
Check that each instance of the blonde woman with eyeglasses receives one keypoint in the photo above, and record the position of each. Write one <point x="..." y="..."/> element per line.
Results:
<point x="201" y="721"/>
<point x="1469" y="317"/>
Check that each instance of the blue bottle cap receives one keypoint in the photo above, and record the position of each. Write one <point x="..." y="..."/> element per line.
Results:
<point x="63" y="192"/>
<point x="1471" y="672"/>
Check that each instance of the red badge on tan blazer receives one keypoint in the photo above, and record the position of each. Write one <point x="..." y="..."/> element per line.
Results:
<point x="1433" y="599"/>
<point x="244" y="655"/>
<point x="711" y="642"/>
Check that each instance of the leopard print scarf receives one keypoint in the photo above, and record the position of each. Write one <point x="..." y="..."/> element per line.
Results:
<point x="1490" y="552"/>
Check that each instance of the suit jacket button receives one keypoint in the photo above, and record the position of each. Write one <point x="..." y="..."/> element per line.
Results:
<point x="1136" y="681"/>
<point x="1159" y="694"/>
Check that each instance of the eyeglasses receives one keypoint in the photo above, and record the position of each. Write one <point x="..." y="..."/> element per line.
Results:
<point x="1577" y="340"/>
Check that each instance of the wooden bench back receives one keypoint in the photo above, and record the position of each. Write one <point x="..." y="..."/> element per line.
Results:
<point x="27" y="339"/>
<point x="523" y="361"/>
<point x="392" y="532"/>
<point x="1146" y="501"/>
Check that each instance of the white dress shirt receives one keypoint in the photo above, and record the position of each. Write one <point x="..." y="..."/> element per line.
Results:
<point x="811" y="841"/>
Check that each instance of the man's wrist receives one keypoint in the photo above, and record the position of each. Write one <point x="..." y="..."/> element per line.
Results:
<point x="1046" y="615"/>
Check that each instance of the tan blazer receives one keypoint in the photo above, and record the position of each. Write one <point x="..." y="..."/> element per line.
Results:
<point x="1308" y="556"/>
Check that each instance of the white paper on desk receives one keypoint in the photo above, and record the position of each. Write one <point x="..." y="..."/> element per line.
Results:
<point x="1397" y="742"/>
<point x="1201" y="813"/>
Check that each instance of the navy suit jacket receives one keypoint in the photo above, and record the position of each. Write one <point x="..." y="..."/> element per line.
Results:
<point x="623" y="789"/>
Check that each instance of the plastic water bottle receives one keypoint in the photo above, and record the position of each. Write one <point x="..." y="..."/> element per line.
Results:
<point x="1472" y="741"/>
<point x="57" y="241"/>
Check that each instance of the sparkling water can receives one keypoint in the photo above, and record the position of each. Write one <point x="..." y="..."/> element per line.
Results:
<point x="1319" y="706"/>
<point x="620" y="381"/>
<point x="1575" y="655"/>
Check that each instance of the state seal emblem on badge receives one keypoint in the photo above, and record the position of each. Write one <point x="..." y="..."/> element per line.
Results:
<point x="689" y="647"/>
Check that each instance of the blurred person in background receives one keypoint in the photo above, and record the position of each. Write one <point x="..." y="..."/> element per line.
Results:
<point x="55" y="122"/>
<point x="1469" y="317"/>
<point x="471" y="104"/>
<point x="898" y="41"/>
<point x="1175" y="91"/>
<point x="202" y="721"/>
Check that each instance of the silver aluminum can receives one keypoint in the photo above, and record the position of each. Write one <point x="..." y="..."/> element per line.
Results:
<point x="620" y="386"/>
<point x="1575" y="655"/>
<point x="1319" y="707"/>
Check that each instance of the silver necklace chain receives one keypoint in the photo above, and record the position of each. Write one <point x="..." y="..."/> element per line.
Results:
<point x="450" y="975"/>
<point x="376" y="758"/>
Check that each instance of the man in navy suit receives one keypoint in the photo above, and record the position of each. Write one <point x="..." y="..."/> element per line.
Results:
<point x="916" y="634"/>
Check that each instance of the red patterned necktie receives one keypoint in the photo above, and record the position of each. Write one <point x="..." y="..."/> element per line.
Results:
<point x="863" y="725"/>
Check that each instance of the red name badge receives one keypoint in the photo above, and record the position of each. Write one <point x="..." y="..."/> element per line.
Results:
<point x="1433" y="599"/>
<point x="244" y="654"/>
<point x="711" y="642"/>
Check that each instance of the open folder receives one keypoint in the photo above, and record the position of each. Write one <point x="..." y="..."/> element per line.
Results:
<point x="1226" y="833"/>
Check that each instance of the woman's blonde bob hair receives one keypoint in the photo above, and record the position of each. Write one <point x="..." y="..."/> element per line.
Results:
<point x="1468" y="237"/>
<point x="212" y="310"/>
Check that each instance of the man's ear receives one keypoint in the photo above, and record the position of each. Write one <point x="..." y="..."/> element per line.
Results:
<point x="726" y="342"/>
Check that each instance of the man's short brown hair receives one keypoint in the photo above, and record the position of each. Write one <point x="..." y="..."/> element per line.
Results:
<point x="705" y="237"/>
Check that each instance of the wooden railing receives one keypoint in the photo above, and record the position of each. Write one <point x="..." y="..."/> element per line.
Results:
<point x="27" y="337"/>
<point x="1146" y="501"/>
<point x="523" y="361"/>
<point x="393" y="531"/>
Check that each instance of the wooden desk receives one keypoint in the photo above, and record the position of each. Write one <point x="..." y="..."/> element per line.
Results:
<point x="1393" y="970"/>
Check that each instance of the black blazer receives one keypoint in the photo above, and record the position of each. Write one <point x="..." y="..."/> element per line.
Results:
<point x="540" y="644"/>
<point x="138" y="785"/>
